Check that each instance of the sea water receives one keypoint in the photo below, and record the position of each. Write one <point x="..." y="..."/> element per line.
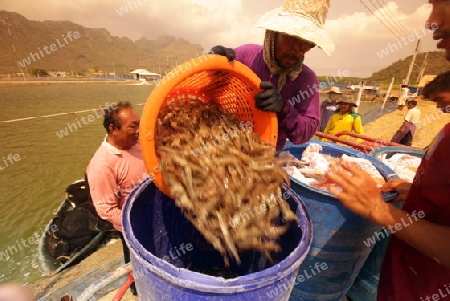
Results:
<point x="44" y="147"/>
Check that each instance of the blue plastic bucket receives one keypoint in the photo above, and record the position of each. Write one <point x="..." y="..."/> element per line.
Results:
<point x="163" y="244"/>
<point x="392" y="150"/>
<point x="365" y="287"/>
<point x="339" y="234"/>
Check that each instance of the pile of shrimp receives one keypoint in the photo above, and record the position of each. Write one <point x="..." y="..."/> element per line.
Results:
<point x="218" y="171"/>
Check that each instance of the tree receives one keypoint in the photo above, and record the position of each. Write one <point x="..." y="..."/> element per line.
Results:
<point x="39" y="72"/>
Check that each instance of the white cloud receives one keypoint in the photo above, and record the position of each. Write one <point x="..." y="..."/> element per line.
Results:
<point x="360" y="35"/>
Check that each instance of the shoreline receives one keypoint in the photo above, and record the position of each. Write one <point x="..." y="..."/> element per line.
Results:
<point x="87" y="81"/>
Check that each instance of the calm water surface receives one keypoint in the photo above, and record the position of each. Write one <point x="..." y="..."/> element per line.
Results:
<point x="32" y="187"/>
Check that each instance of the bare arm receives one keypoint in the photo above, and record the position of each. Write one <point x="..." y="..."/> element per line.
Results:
<point x="361" y="195"/>
<point x="431" y="239"/>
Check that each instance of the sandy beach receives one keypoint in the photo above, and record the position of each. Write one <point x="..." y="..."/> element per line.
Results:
<point x="432" y="121"/>
<point x="383" y="128"/>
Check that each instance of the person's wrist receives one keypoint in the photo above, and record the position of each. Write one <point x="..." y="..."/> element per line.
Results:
<point x="378" y="212"/>
<point x="284" y="110"/>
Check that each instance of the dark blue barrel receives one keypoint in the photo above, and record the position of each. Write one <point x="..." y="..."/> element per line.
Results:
<point x="165" y="249"/>
<point x="339" y="235"/>
<point x="365" y="286"/>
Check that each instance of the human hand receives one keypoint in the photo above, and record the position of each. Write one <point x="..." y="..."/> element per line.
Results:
<point x="221" y="50"/>
<point x="401" y="186"/>
<point x="359" y="192"/>
<point x="15" y="291"/>
<point x="270" y="99"/>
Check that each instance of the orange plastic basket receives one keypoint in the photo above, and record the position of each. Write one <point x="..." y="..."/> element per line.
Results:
<point x="210" y="78"/>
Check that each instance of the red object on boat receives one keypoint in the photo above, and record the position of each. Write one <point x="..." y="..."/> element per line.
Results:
<point x="123" y="289"/>
<point x="366" y="146"/>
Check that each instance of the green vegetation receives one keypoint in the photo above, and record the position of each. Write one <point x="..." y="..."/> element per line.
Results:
<point x="352" y="80"/>
<point x="436" y="64"/>
<point x="39" y="72"/>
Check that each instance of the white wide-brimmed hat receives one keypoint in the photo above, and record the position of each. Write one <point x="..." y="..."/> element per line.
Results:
<point x="301" y="18"/>
<point x="334" y="89"/>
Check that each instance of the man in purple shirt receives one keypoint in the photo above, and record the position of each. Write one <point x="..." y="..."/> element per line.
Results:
<point x="291" y="89"/>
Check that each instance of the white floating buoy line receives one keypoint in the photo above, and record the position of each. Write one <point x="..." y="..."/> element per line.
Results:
<point x="56" y="114"/>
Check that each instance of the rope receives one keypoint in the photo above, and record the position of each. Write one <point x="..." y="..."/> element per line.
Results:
<point x="122" y="290"/>
<point x="90" y="291"/>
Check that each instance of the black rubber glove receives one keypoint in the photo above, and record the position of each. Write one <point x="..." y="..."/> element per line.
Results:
<point x="221" y="50"/>
<point x="270" y="99"/>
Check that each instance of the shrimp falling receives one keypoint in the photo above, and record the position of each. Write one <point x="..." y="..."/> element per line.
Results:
<point x="217" y="169"/>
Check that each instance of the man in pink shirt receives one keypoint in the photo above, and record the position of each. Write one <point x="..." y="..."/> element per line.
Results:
<point x="117" y="166"/>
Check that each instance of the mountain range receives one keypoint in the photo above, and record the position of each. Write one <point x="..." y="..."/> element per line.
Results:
<point x="433" y="63"/>
<point x="65" y="46"/>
